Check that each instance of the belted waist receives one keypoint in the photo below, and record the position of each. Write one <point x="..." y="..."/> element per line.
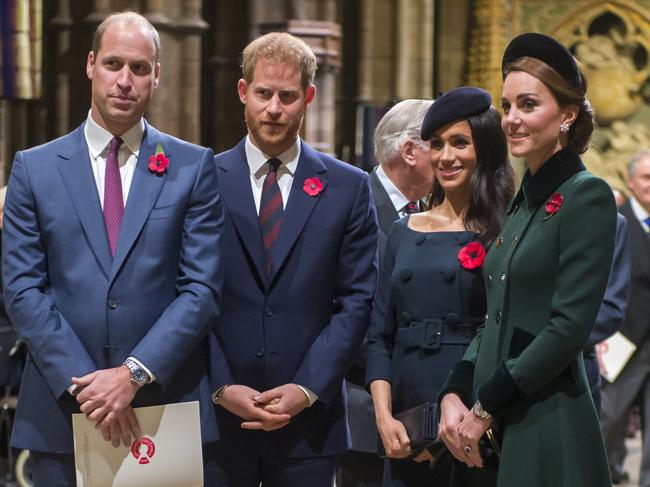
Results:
<point x="431" y="334"/>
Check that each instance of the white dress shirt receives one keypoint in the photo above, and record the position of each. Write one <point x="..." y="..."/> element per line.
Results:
<point x="397" y="198"/>
<point x="258" y="170"/>
<point x="99" y="143"/>
<point x="639" y="213"/>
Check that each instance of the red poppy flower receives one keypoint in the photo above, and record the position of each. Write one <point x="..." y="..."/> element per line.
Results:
<point x="158" y="162"/>
<point x="312" y="186"/>
<point x="471" y="256"/>
<point x="553" y="205"/>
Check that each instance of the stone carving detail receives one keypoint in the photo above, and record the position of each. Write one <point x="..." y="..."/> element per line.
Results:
<point x="610" y="38"/>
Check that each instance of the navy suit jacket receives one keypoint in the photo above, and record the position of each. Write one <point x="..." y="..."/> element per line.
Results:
<point x="386" y="212"/>
<point x="305" y="322"/>
<point x="80" y="310"/>
<point x="612" y="310"/>
<point x="636" y="326"/>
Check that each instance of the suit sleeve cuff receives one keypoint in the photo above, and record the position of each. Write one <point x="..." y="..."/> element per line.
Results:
<point x="500" y="392"/>
<point x="460" y="381"/>
<point x="311" y="397"/>
<point x="152" y="377"/>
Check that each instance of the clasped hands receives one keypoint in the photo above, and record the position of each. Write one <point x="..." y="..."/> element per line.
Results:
<point x="105" y="397"/>
<point x="460" y="428"/>
<point x="269" y="410"/>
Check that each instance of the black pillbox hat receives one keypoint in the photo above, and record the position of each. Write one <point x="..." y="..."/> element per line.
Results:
<point x="456" y="104"/>
<point x="547" y="50"/>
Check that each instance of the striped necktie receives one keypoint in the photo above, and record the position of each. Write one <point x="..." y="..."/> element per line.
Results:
<point x="411" y="207"/>
<point x="270" y="211"/>
<point x="113" y="200"/>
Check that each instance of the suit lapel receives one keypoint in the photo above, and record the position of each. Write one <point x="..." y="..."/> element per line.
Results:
<point x="637" y="235"/>
<point x="299" y="205"/>
<point x="78" y="178"/>
<point x="144" y="191"/>
<point x="386" y="213"/>
<point x="235" y="187"/>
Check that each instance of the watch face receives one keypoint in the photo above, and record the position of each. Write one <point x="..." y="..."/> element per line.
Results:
<point x="140" y="376"/>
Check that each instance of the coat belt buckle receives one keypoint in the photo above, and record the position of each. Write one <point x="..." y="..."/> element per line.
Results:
<point x="431" y="334"/>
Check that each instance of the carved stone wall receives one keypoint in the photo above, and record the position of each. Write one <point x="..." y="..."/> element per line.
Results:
<point x="610" y="38"/>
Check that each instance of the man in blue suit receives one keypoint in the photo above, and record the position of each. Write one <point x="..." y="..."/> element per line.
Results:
<point x="300" y="242"/>
<point x="112" y="262"/>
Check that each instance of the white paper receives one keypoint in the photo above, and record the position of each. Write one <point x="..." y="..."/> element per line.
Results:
<point x="613" y="354"/>
<point x="169" y="453"/>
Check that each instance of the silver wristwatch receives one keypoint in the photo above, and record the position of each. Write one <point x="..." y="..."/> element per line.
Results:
<point x="138" y="374"/>
<point x="478" y="410"/>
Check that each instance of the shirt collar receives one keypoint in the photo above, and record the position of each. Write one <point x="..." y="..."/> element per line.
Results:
<point x="397" y="198"/>
<point x="536" y="188"/>
<point x="98" y="138"/>
<point x="257" y="159"/>
<point x="639" y="211"/>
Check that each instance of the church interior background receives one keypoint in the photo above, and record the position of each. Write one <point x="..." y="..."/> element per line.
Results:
<point x="371" y="54"/>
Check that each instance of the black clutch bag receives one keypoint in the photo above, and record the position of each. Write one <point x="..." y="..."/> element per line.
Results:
<point x="421" y="424"/>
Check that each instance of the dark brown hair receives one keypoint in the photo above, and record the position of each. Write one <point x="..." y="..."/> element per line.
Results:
<point x="565" y="94"/>
<point x="493" y="183"/>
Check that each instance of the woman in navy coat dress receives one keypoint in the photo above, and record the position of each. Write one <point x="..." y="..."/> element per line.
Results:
<point x="430" y="297"/>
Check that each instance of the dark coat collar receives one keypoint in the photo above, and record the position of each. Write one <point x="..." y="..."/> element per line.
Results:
<point x="536" y="188"/>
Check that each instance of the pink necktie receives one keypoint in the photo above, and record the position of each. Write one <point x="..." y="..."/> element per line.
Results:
<point x="113" y="202"/>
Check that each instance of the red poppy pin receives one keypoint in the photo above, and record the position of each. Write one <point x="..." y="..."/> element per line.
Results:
<point x="553" y="205"/>
<point x="471" y="256"/>
<point x="158" y="162"/>
<point x="312" y="186"/>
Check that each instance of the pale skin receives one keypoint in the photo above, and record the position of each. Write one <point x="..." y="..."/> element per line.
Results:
<point x="124" y="75"/>
<point x="411" y="170"/>
<point x="453" y="159"/>
<point x="275" y="102"/>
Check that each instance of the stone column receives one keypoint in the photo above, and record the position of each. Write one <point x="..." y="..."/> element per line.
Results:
<point x="313" y="22"/>
<point x="176" y="105"/>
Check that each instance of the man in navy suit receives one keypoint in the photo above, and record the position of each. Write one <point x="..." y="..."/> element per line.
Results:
<point x="300" y="242"/>
<point x="633" y="383"/>
<point x="112" y="262"/>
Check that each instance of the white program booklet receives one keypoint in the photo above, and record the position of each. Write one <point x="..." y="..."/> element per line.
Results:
<point x="168" y="454"/>
<point x="613" y="354"/>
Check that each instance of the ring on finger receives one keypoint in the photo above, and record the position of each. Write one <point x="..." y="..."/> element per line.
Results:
<point x="467" y="449"/>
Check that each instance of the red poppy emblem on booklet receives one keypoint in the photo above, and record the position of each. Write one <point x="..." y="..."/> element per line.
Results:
<point x="158" y="162"/>
<point x="143" y="449"/>
<point x="312" y="186"/>
<point x="553" y="205"/>
<point x="471" y="256"/>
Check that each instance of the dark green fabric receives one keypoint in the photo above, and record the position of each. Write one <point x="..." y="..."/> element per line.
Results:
<point x="545" y="276"/>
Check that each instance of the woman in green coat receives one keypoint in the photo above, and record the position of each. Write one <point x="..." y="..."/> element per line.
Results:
<point x="545" y="275"/>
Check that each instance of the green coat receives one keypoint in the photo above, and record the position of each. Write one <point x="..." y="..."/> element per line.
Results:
<point x="545" y="276"/>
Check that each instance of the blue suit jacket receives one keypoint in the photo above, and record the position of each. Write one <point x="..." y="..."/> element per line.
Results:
<point x="305" y="322"/>
<point x="80" y="310"/>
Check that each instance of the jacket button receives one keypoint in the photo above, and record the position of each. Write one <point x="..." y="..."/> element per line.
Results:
<point x="490" y="280"/>
<point x="498" y="317"/>
<point x="515" y="239"/>
<point x="260" y="352"/>
<point x="112" y="304"/>
<point x="503" y="278"/>
<point x="268" y="311"/>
